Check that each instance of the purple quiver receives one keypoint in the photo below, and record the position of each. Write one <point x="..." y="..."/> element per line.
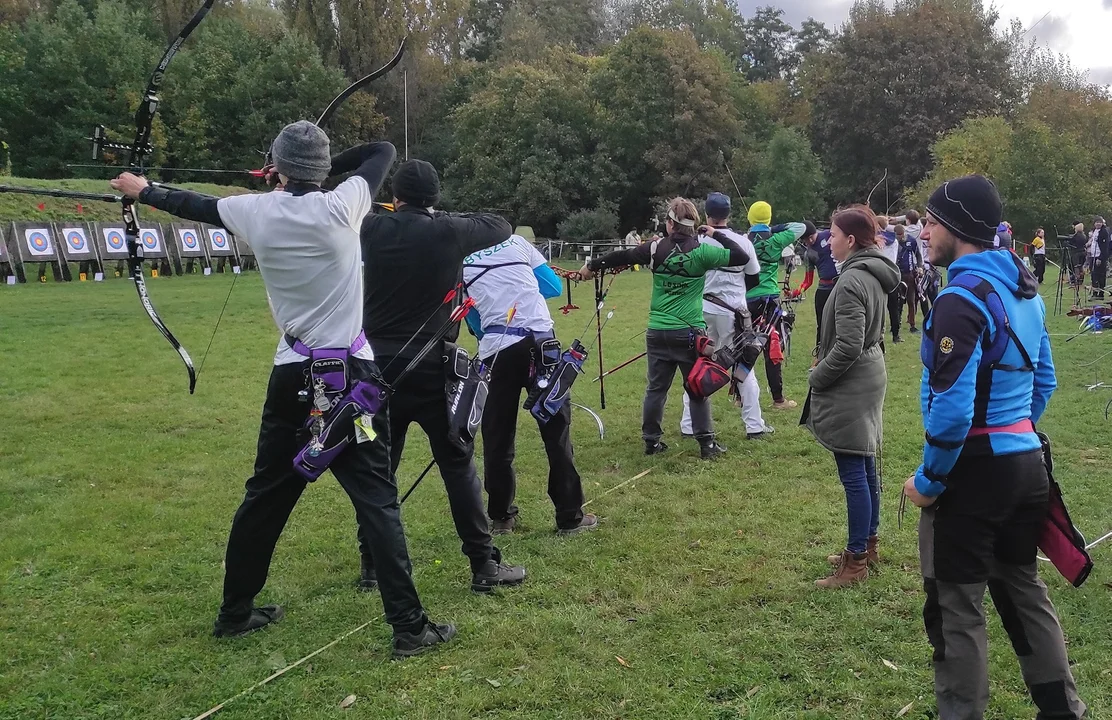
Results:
<point x="365" y="398"/>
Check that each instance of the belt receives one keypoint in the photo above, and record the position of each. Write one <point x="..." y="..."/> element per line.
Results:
<point x="1023" y="426"/>
<point x="302" y="349"/>
<point x="828" y="283"/>
<point x="503" y="330"/>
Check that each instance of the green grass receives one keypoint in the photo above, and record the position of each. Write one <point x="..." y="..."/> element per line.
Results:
<point x="117" y="489"/>
<point x="19" y="207"/>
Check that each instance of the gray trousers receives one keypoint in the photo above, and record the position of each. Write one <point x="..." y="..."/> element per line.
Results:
<point x="668" y="351"/>
<point x="982" y="532"/>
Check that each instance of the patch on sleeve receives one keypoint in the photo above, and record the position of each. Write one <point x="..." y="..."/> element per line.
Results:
<point x="946" y="345"/>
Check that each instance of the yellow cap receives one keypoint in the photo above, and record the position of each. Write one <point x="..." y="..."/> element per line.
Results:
<point x="760" y="213"/>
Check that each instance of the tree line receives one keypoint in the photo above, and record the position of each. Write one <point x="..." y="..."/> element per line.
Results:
<point x="580" y="116"/>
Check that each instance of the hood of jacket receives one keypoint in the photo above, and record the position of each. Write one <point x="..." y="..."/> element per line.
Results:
<point x="1002" y="265"/>
<point x="880" y="267"/>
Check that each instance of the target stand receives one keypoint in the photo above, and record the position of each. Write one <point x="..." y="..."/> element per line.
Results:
<point x="77" y="247"/>
<point x="189" y="248"/>
<point x="35" y="243"/>
<point x="7" y="265"/>
<point x="111" y="242"/>
<point x="220" y="247"/>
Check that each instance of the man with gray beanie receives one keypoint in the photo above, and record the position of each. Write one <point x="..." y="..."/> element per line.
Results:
<point x="413" y="259"/>
<point x="306" y="242"/>
<point x="983" y="485"/>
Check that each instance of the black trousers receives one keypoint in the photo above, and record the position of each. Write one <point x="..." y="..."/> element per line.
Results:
<point x="983" y="532"/>
<point x="421" y="398"/>
<point x="759" y="307"/>
<point x="363" y="471"/>
<point x="822" y="294"/>
<point x="1040" y="267"/>
<point x="895" y="310"/>
<point x="512" y="373"/>
<point x="1099" y="274"/>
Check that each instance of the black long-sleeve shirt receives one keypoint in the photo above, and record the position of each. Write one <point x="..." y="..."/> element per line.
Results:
<point x="371" y="161"/>
<point x="412" y="259"/>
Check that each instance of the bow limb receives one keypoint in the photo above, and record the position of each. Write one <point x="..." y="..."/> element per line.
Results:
<point x="139" y="149"/>
<point x="878" y="182"/>
<point x="598" y="420"/>
<point x="361" y="82"/>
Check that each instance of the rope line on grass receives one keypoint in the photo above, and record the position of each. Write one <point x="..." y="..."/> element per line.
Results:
<point x="279" y="673"/>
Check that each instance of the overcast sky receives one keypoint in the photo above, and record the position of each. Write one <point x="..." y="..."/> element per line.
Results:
<point x="1080" y="28"/>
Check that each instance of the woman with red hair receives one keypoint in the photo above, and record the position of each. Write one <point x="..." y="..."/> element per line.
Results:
<point x="844" y="406"/>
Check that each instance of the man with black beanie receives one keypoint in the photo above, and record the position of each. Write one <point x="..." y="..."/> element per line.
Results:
<point x="983" y="485"/>
<point x="412" y="259"/>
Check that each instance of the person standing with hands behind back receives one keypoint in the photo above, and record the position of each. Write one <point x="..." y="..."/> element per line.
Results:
<point x="844" y="409"/>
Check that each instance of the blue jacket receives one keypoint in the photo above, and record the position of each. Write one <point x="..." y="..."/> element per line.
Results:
<point x="957" y="332"/>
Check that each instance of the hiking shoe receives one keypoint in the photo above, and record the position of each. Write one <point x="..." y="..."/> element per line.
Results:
<point x="852" y="568"/>
<point x="785" y="404"/>
<point x="503" y="527"/>
<point x="872" y="554"/>
<point x="654" y="448"/>
<point x="711" y="450"/>
<point x="259" y="618"/>
<point x="494" y="574"/>
<point x="765" y="432"/>
<point x="589" y="522"/>
<point x="410" y="644"/>
<point x="368" y="579"/>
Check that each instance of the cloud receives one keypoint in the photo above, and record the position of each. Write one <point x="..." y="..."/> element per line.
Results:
<point x="1101" y="75"/>
<point x="830" y="12"/>
<point x="1054" y="31"/>
<point x="1108" y="4"/>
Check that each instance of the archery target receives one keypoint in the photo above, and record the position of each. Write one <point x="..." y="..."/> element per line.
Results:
<point x="38" y="241"/>
<point x="150" y="240"/>
<point x="114" y="240"/>
<point x="189" y="242"/>
<point x="218" y="238"/>
<point x="76" y="242"/>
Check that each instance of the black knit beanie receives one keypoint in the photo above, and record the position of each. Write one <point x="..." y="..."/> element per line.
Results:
<point x="416" y="182"/>
<point x="969" y="207"/>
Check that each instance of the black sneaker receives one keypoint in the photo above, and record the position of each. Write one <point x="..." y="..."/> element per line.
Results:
<point x="368" y="580"/>
<point x="913" y="330"/>
<point x="897" y="339"/>
<point x="259" y="618"/>
<point x="503" y="527"/>
<point x="494" y="574"/>
<point x="768" y="430"/>
<point x="711" y="450"/>
<point x="655" y="448"/>
<point x="410" y="644"/>
<point x="589" y="522"/>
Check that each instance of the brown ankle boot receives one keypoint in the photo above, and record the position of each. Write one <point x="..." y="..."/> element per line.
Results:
<point x="871" y="554"/>
<point x="852" y="568"/>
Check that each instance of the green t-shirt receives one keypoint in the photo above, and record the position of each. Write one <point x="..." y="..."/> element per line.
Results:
<point x="768" y="250"/>
<point x="677" y="301"/>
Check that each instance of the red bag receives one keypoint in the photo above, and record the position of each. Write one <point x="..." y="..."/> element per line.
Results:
<point x="706" y="378"/>
<point x="1059" y="539"/>
<point x="775" y="352"/>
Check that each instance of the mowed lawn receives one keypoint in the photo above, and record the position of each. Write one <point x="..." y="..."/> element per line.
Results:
<point x="694" y="599"/>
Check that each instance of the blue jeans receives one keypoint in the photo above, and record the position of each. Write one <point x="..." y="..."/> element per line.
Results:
<point x="858" y="475"/>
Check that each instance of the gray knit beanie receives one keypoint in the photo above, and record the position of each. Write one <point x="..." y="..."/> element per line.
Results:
<point x="301" y="152"/>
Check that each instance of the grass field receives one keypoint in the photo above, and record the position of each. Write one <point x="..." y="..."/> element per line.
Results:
<point x="117" y="489"/>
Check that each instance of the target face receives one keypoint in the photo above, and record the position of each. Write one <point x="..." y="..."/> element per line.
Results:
<point x="218" y="238"/>
<point x="76" y="241"/>
<point x="38" y="241"/>
<point x="188" y="240"/>
<point x="114" y="240"/>
<point x="151" y="241"/>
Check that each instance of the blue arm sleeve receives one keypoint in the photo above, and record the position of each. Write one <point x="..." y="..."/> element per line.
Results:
<point x="474" y="323"/>
<point x="1045" y="381"/>
<point x="550" y="284"/>
<point x="957" y="328"/>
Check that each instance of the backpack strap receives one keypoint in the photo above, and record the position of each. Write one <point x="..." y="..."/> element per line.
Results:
<point x="994" y="346"/>
<point x="487" y="268"/>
